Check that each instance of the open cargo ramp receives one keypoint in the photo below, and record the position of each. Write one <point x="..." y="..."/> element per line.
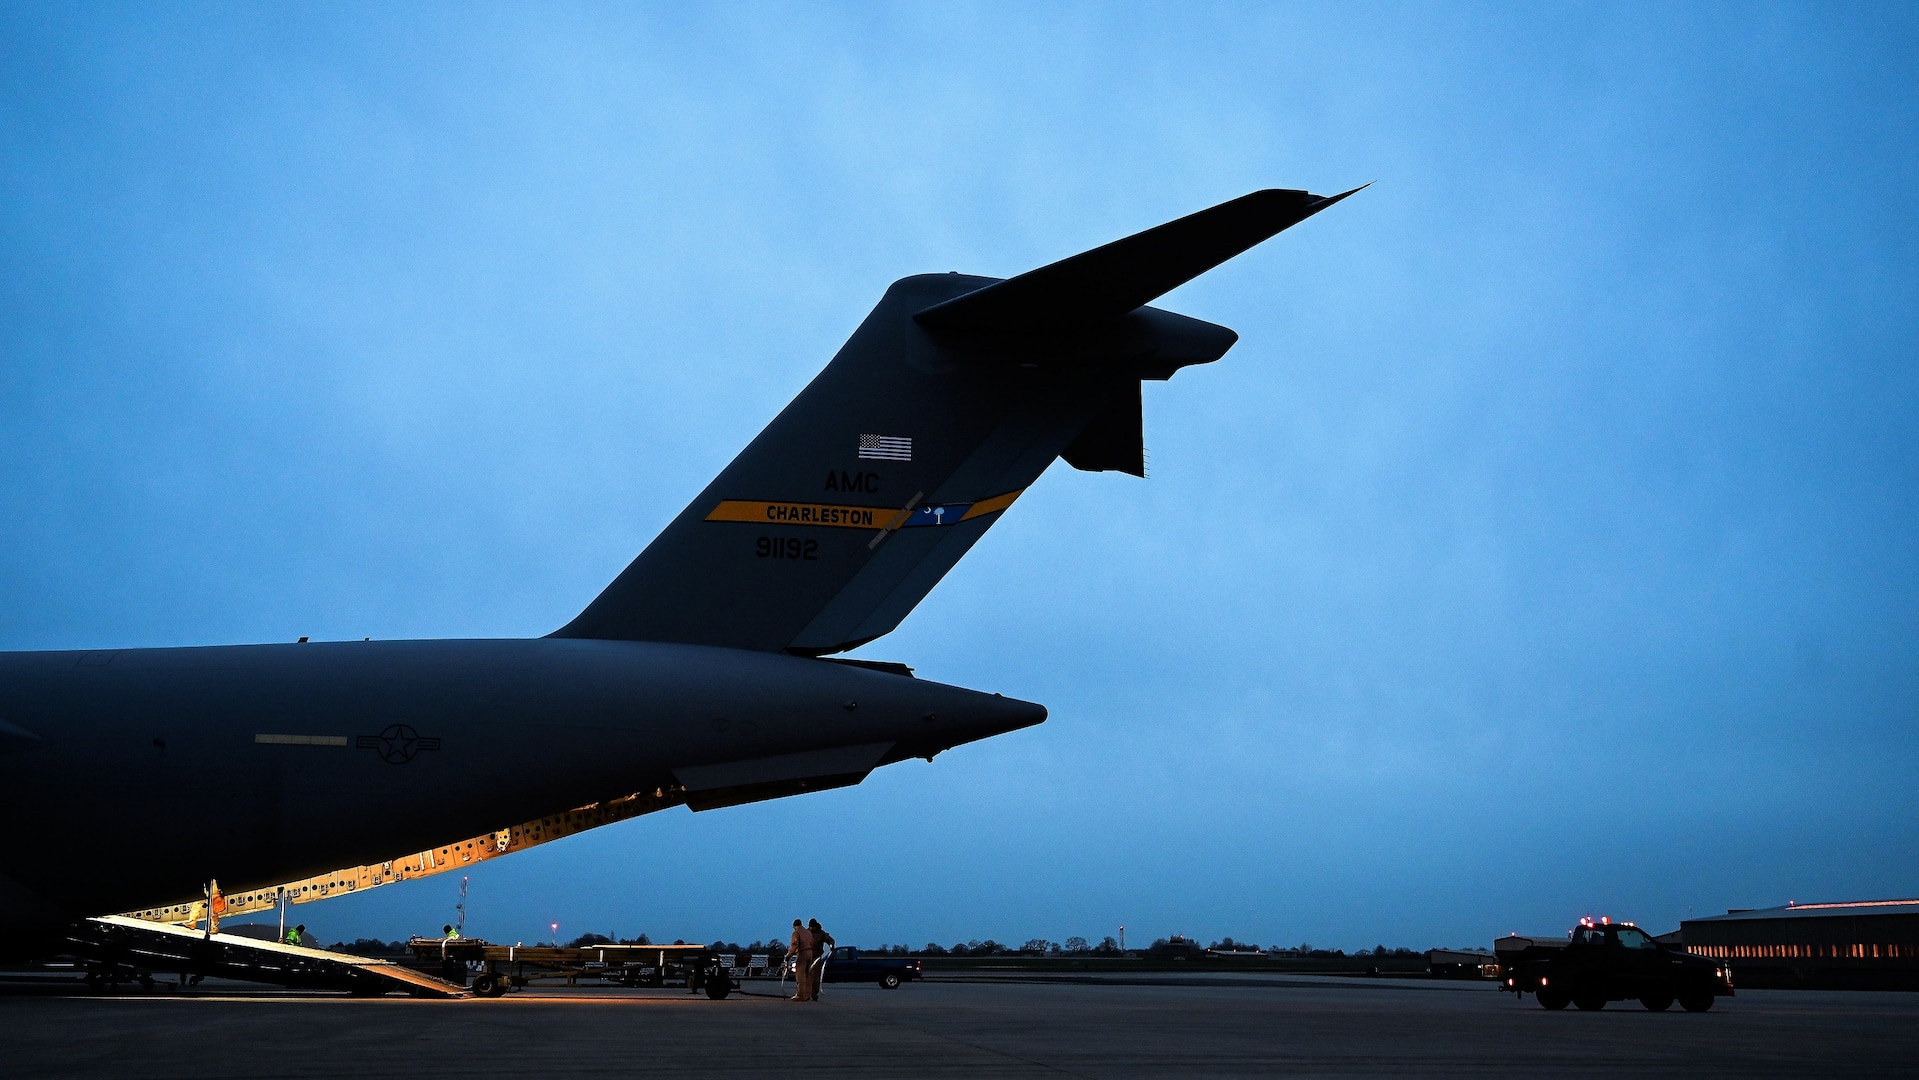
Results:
<point x="118" y="948"/>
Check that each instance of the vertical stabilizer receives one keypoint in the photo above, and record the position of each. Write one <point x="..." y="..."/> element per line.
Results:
<point x="950" y="399"/>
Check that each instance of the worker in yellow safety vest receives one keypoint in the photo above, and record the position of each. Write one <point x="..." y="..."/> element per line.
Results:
<point x="449" y="933"/>
<point x="297" y="935"/>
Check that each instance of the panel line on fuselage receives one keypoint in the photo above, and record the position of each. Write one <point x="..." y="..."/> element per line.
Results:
<point x="299" y="740"/>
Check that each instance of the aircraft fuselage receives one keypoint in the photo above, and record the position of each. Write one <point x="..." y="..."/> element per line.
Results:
<point x="264" y="763"/>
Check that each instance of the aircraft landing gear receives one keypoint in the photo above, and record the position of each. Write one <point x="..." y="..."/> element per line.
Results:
<point x="106" y="979"/>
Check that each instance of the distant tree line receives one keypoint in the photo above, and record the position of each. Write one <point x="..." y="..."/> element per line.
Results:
<point x="1080" y="946"/>
<point x="367" y="946"/>
<point x="1072" y="946"/>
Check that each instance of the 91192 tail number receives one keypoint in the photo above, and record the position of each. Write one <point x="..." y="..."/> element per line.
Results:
<point x="786" y="547"/>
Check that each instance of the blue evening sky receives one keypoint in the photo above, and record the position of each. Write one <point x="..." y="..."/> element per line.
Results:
<point x="1549" y="545"/>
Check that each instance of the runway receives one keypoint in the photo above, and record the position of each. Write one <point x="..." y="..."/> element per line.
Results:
<point x="1243" y="1026"/>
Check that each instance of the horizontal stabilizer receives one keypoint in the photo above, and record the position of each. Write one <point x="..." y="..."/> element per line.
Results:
<point x="1109" y="281"/>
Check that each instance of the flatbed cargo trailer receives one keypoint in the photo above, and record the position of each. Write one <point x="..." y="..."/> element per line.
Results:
<point x="495" y="969"/>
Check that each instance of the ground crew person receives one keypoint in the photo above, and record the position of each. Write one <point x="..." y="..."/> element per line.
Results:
<point x="297" y="935"/>
<point x="822" y="947"/>
<point x="452" y="968"/>
<point x="801" y="950"/>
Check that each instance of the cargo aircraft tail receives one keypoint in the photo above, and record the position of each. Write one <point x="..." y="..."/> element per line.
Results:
<point x="951" y="398"/>
<point x="296" y="772"/>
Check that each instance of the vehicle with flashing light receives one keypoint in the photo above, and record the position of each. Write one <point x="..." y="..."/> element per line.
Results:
<point x="1604" y="961"/>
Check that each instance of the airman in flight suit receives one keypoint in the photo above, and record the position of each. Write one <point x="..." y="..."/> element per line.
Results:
<point x="802" y="951"/>
<point x="822" y="945"/>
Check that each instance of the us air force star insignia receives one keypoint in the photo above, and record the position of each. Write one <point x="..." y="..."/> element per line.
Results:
<point x="397" y="744"/>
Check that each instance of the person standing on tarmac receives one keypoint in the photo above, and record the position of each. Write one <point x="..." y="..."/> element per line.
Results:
<point x="822" y="948"/>
<point x="452" y="968"/>
<point x="801" y="951"/>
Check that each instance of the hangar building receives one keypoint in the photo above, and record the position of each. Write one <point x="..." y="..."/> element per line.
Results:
<point x="1860" y="945"/>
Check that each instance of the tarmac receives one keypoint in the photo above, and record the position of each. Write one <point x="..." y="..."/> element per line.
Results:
<point x="1000" y="1027"/>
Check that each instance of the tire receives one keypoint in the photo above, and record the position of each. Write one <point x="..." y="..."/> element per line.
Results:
<point x="1656" y="1002"/>
<point x="1695" y="1002"/>
<point x="1552" y="999"/>
<point x="718" y="986"/>
<point x="890" y="981"/>
<point x="1589" y="1002"/>
<point x="487" y="985"/>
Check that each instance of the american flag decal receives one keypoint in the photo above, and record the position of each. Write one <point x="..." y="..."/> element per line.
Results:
<point x="886" y="447"/>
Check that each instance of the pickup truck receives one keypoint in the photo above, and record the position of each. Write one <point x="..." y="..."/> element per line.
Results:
<point x="1609" y="961"/>
<point x="851" y="965"/>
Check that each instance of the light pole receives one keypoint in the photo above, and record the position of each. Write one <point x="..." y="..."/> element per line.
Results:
<point x="556" y="934"/>
<point x="1122" y="939"/>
